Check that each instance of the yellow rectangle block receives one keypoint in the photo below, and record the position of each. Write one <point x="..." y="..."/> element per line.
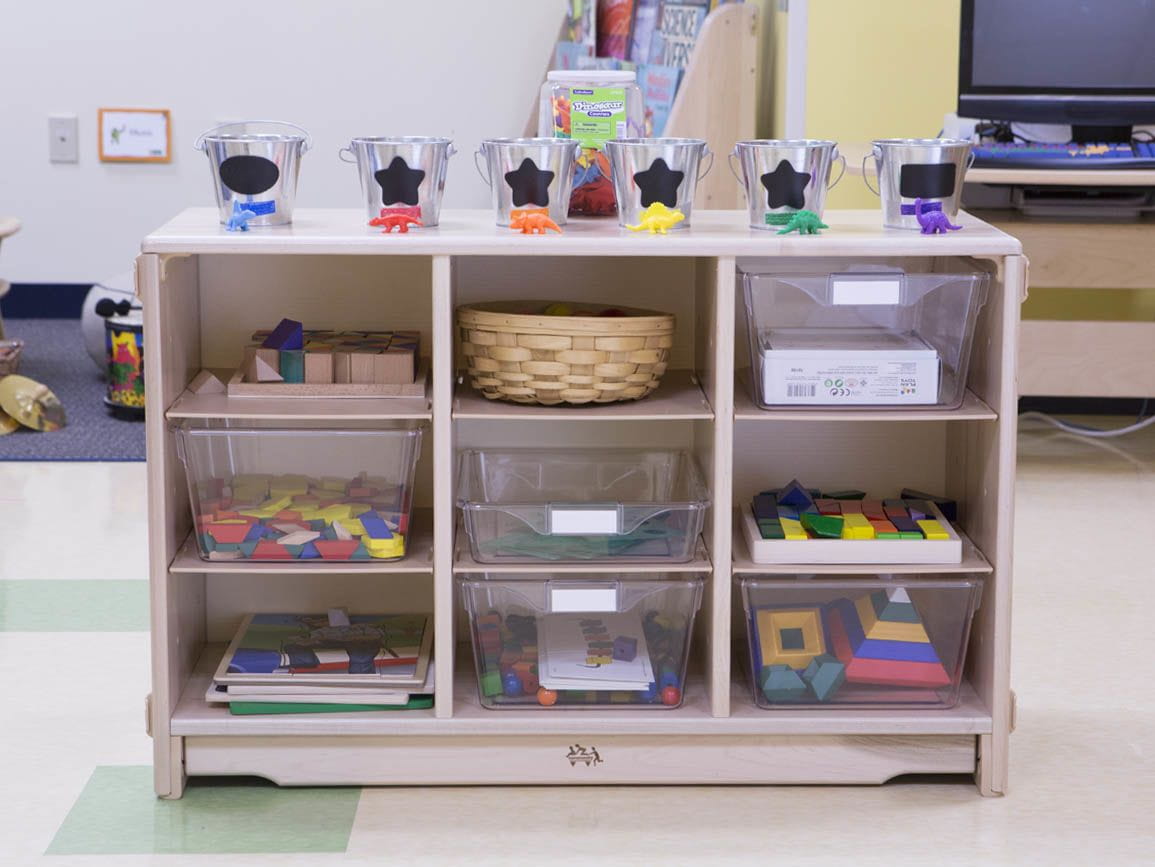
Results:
<point x="856" y="526"/>
<point x="334" y="513"/>
<point x="933" y="530"/>
<point x="352" y="525"/>
<point x="359" y="508"/>
<point x="258" y="513"/>
<point x="332" y="483"/>
<point x="384" y="548"/>
<point x="793" y="529"/>
<point x="256" y="479"/>
<point x="276" y="504"/>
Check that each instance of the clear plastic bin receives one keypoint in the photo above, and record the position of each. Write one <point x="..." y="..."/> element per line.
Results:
<point x="264" y="493"/>
<point x="890" y="642"/>
<point x="865" y="337"/>
<point x="580" y="641"/>
<point x="587" y="505"/>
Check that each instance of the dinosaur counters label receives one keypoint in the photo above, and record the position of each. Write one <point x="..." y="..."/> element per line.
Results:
<point x="597" y="114"/>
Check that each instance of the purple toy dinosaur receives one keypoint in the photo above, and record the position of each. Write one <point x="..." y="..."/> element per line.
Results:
<point x="932" y="222"/>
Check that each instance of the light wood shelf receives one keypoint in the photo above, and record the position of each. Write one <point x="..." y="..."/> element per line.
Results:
<point x="419" y="559"/>
<point x="195" y="717"/>
<point x="188" y="275"/>
<point x="678" y="397"/>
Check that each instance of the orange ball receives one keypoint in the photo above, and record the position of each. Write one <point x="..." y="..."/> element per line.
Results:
<point x="546" y="697"/>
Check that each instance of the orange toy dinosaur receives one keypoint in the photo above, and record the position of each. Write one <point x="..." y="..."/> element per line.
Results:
<point x="532" y="222"/>
<point x="401" y="222"/>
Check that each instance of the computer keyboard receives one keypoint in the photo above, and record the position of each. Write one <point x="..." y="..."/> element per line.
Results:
<point x="1039" y="155"/>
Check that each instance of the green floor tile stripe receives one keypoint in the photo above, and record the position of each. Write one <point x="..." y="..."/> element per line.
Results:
<point x="118" y="814"/>
<point x="74" y="606"/>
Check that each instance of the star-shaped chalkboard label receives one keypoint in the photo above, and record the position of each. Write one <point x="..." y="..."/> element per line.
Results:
<point x="785" y="186"/>
<point x="659" y="183"/>
<point x="530" y="184"/>
<point x="399" y="183"/>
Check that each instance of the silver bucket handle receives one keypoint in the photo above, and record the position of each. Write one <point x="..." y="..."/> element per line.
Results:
<point x="730" y="157"/>
<point x="450" y="150"/>
<point x="706" y="152"/>
<point x="483" y="172"/>
<point x="199" y="143"/>
<point x="841" y="160"/>
<point x="346" y="150"/>
<point x="866" y="177"/>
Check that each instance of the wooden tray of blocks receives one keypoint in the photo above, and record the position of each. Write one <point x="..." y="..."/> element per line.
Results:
<point x="847" y="531"/>
<point x="291" y="362"/>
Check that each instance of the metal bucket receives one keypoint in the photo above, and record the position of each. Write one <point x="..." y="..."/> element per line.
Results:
<point x="255" y="163"/>
<point x="931" y="169"/>
<point x="401" y="172"/>
<point x="782" y="176"/>
<point x="649" y="170"/>
<point x="528" y="173"/>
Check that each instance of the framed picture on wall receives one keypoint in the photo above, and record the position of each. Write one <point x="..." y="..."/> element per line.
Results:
<point x="135" y="135"/>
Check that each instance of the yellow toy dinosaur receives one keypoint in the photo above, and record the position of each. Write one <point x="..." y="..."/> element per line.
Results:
<point x="658" y="219"/>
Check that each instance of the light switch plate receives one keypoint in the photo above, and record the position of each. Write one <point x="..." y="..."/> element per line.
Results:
<point x="63" y="139"/>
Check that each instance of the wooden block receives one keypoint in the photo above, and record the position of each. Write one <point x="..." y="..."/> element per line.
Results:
<point x="394" y="367"/>
<point x="287" y="335"/>
<point x="933" y="530"/>
<point x="884" y="526"/>
<point x="828" y="506"/>
<point x="765" y="507"/>
<point x="262" y="365"/>
<point x="361" y="366"/>
<point x="856" y="526"/>
<point x="792" y="530"/>
<point x="299" y="538"/>
<point x="206" y="382"/>
<point x="873" y="510"/>
<point x="342" y="366"/>
<point x="319" y="366"/>
<point x="826" y="526"/>
<point x="293" y="365"/>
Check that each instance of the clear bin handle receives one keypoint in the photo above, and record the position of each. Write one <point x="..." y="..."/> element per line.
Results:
<point x="483" y="172"/>
<point x="841" y="160"/>
<point x="199" y="143"/>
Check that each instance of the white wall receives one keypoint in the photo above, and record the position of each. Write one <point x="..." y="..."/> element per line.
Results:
<point x="469" y="69"/>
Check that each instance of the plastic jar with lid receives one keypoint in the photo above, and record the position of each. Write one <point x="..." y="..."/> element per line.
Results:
<point x="592" y="106"/>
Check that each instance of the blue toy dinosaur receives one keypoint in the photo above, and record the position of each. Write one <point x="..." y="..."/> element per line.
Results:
<point x="239" y="221"/>
<point x="933" y="222"/>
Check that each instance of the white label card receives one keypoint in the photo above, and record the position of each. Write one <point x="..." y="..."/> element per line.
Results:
<point x="859" y="291"/>
<point x="579" y="522"/>
<point x="582" y="598"/>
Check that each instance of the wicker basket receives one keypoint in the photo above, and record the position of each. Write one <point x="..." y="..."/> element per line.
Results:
<point x="537" y="358"/>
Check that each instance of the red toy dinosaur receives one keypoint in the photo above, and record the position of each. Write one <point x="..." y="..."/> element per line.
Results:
<point x="532" y="222"/>
<point x="401" y="222"/>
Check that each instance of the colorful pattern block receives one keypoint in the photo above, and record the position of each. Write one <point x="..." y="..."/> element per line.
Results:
<point x="789" y="636"/>
<point x="816" y="515"/>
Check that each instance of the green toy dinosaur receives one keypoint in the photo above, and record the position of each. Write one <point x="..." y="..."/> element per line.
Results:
<point x="804" y="222"/>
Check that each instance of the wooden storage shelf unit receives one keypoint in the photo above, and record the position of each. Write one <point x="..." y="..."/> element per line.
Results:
<point x="205" y="289"/>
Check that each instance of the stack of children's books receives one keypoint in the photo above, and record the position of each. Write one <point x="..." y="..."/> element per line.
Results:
<point x="654" y="37"/>
<point x="334" y="662"/>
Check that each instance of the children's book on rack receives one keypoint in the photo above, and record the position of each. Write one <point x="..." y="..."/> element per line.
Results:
<point x="325" y="663"/>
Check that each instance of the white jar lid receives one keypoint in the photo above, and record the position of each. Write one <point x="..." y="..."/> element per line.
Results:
<point x="593" y="76"/>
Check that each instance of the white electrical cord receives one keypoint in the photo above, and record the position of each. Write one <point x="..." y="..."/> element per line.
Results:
<point x="1086" y="431"/>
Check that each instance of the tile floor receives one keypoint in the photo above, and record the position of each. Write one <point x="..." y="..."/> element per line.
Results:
<point x="74" y="781"/>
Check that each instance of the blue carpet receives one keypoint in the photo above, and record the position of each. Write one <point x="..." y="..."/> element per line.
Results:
<point x="54" y="355"/>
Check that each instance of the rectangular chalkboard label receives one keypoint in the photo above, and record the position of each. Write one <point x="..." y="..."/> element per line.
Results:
<point x="926" y="180"/>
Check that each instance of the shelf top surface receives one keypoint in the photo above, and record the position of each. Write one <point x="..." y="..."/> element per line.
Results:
<point x="331" y="231"/>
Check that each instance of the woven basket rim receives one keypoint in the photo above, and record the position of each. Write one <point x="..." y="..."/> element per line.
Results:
<point x="503" y="315"/>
